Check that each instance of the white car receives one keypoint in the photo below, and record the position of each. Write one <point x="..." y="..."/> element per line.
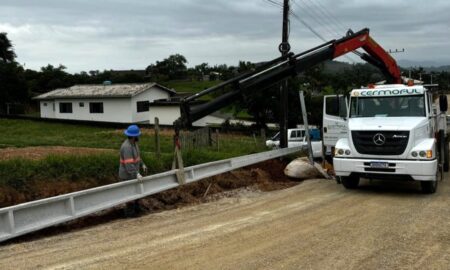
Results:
<point x="297" y="138"/>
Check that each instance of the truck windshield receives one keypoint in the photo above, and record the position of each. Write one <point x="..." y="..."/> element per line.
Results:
<point x="393" y="106"/>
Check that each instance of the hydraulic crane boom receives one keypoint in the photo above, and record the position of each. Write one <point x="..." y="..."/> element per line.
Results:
<point x="289" y="66"/>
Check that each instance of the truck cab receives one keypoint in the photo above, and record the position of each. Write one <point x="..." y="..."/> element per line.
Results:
<point x="391" y="132"/>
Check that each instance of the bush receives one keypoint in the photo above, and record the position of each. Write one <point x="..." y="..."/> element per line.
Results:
<point x="17" y="173"/>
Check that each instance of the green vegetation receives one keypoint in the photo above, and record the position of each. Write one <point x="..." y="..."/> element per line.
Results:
<point x="22" y="133"/>
<point x="190" y="86"/>
<point x="98" y="168"/>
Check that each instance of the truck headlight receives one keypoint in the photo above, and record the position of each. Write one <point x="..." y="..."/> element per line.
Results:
<point x="338" y="152"/>
<point x="347" y="152"/>
<point x="414" y="154"/>
<point x="422" y="153"/>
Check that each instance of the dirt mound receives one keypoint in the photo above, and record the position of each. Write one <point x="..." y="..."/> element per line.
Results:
<point x="40" y="152"/>
<point x="265" y="176"/>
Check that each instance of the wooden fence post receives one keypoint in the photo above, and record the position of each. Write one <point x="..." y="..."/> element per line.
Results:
<point x="209" y="137"/>
<point x="157" y="139"/>
<point x="217" y="139"/>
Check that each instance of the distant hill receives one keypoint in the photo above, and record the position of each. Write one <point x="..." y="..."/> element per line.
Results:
<point x="426" y="65"/>
<point x="333" y="67"/>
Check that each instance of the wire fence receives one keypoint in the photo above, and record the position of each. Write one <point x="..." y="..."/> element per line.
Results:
<point x="200" y="138"/>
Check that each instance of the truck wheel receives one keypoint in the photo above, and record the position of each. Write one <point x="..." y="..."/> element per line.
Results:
<point x="429" y="187"/>
<point x="446" y="159"/>
<point x="350" y="182"/>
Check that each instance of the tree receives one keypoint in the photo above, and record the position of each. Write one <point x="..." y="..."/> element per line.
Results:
<point x="202" y="69"/>
<point x="172" y="68"/>
<point x="51" y="78"/>
<point x="13" y="86"/>
<point x="7" y="53"/>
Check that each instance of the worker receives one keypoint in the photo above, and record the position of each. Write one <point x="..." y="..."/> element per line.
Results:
<point x="131" y="163"/>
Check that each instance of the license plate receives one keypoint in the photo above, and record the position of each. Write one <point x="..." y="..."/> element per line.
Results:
<point x="379" y="164"/>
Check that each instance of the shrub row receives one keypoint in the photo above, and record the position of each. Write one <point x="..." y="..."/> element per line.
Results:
<point x="100" y="168"/>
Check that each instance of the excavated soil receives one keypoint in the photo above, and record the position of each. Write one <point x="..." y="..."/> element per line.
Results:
<point x="315" y="225"/>
<point x="265" y="176"/>
<point x="40" y="152"/>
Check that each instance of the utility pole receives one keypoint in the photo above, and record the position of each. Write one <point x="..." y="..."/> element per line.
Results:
<point x="284" y="48"/>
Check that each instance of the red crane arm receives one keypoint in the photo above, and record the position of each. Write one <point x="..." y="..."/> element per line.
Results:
<point x="363" y="40"/>
<point x="288" y="66"/>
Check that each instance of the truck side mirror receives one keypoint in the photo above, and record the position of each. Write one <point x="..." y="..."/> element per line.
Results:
<point x="443" y="103"/>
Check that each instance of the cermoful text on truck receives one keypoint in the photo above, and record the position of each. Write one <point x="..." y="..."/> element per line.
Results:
<point x="386" y="132"/>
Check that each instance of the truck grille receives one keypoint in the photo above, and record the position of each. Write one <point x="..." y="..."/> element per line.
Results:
<point x="395" y="142"/>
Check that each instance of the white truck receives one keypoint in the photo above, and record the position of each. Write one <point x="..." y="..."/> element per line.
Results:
<point x="386" y="132"/>
<point x="296" y="138"/>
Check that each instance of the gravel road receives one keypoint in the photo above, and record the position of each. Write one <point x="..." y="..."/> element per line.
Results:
<point x="315" y="225"/>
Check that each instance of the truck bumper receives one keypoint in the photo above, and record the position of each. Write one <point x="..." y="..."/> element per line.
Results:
<point x="424" y="170"/>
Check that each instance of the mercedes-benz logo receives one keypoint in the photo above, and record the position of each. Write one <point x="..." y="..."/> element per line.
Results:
<point x="379" y="139"/>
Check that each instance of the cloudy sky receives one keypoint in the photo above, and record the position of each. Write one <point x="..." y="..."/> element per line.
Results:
<point x="130" y="34"/>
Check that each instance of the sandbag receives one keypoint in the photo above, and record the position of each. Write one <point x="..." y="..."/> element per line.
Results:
<point x="301" y="168"/>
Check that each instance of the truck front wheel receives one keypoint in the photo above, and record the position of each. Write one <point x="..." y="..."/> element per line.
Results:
<point x="350" y="182"/>
<point x="429" y="187"/>
<point x="446" y="158"/>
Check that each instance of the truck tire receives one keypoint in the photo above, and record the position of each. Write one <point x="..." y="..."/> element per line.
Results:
<point x="350" y="182"/>
<point x="429" y="187"/>
<point x="446" y="154"/>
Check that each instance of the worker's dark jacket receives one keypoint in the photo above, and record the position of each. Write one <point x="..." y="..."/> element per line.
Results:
<point x="130" y="160"/>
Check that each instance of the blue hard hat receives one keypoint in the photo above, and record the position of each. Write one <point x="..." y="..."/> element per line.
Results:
<point x="132" y="131"/>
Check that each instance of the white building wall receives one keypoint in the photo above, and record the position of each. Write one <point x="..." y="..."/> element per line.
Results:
<point x="150" y="95"/>
<point x="114" y="110"/>
<point x="168" y="114"/>
<point x="47" y="108"/>
<point x="208" y="120"/>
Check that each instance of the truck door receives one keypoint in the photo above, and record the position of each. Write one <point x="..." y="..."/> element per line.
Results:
<point x="334" y="120"/>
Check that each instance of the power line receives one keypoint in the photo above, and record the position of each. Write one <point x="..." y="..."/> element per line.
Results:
<point x="317" y="33"/>
<point x="330" y="30"/>
<point x="318" y="3"/>
<point x="274" y="3"/>
<point x="308" y="26"/>
<point x="328" y="17"/>
<point x="316" y="17"/>
<point x="327" y="14"/>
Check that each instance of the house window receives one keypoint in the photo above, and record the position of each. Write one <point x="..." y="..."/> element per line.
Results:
<point x="96" y="107"/>
<point x="45" y="104"/>
<point x="142" y="106"/>
<point x="65" y="107"/>
<point x="81" y="104"/>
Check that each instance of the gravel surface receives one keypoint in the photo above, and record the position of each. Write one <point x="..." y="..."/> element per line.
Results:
<point x="315" y="225"/>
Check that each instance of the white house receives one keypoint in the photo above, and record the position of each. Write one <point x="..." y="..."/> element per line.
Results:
<point x="120" y="103"/>
<point x="168" y="111"/>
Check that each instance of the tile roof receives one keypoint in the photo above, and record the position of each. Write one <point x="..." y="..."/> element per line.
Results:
<point x="102" y="91"/>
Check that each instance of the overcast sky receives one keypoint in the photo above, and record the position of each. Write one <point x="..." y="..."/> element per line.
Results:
<point x="130" y="34"/>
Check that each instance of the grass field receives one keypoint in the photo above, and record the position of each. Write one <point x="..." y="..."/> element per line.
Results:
<point x="190" y="86"/>
<point x="24" y="174"/>
<point x="22" y="133"/>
